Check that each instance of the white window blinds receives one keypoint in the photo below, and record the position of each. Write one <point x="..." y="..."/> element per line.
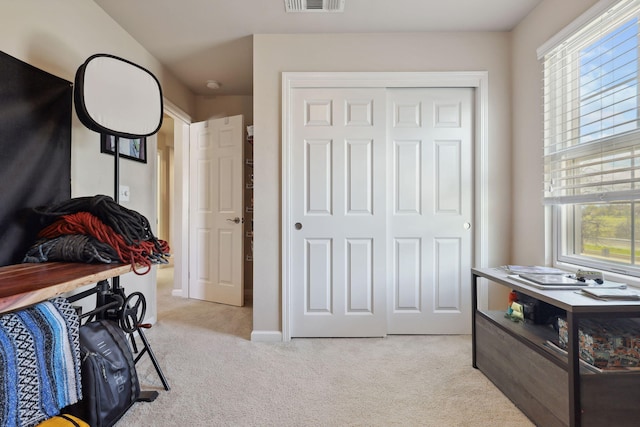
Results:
<point x="591" y="111"/>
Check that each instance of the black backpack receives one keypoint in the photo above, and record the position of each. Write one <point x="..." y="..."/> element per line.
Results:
<point x="109" y="379"/>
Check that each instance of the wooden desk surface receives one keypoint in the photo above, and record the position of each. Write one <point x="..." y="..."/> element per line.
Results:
<point x="569" y="300"/>
<point x="22" y="285"/>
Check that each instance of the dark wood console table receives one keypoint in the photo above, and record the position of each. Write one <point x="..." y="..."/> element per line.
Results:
<point x="22" y="285"/>
<point x="552" y="389"/>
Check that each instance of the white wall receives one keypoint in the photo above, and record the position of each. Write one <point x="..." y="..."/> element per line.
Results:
<point x="58" y="36"/>
<point x="215" y="107"/>
<point x="274" y="54"/>
<point x="528" y="234"/>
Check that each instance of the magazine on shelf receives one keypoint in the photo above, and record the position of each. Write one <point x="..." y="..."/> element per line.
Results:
<point x="556" y="287"/>
<point x="552" y="279"/>
<point x="611" y="293"/>
<point x="556" y="282"/>
<point x="532" y="269"/>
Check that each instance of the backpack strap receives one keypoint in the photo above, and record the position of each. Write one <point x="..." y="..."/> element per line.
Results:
<point x="71" y="420"/>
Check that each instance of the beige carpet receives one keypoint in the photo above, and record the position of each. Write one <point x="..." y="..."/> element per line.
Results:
<point x="218" y="377"/>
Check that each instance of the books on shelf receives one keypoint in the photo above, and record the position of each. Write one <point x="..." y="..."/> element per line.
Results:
<point x="588" y="366"/>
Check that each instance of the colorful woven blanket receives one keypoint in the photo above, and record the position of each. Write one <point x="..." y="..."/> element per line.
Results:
<point x="39" y="362"/>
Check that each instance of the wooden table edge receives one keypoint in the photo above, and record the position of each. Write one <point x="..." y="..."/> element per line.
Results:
<point x="90" y="273"/>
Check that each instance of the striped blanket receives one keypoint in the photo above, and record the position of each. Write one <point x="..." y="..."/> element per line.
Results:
<point x="39" y="362"/>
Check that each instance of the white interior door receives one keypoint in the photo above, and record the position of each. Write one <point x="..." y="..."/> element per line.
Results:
<point x="430" y="160"/>
<point x="216" y="211"/>
<point x="337" y="232"/>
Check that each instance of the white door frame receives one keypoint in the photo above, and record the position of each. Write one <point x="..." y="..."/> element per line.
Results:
<point x="478" y="80"/>
<point x="180" y="211"/>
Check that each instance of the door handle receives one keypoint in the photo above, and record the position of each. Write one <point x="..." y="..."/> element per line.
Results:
<point x="235" y="220"/>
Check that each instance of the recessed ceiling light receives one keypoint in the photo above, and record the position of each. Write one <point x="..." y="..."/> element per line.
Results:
<point x="212" y="84"/>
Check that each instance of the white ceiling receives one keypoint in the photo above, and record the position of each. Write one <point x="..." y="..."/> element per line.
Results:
<point x="200" y="40"/>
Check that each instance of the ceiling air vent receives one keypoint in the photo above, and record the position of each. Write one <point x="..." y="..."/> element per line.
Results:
<point x="314" y="5"/>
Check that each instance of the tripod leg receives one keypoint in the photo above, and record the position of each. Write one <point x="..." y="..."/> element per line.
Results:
<point x="134" y="346"/>
<point x="131" y="313"/>
<point x="147" y="348"/>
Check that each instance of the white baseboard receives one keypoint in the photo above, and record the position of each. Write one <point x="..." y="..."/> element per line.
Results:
<point x="176" y="292"/>
<point x="266" y="336"/>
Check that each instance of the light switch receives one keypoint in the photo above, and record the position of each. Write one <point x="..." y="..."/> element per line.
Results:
<point x="123" y="196"/>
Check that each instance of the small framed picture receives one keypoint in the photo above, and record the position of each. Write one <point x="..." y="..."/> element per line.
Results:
<point x="133" y="149"/>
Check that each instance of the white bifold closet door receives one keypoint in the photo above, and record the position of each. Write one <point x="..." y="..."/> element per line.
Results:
<point x="381" y="209"/>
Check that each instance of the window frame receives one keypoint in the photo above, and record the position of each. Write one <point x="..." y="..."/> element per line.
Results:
<point x="563" y="217"/>
<point x="564" y="244"/>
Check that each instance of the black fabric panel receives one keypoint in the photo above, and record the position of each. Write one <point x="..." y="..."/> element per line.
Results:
<point x="35" y="151"/>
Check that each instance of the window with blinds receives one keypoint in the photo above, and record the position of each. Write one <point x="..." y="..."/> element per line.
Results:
<point x="592" y="151"/>
<point x="592" y="140"/>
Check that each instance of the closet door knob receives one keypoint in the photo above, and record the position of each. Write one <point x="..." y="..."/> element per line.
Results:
<point x="298" y="226"/>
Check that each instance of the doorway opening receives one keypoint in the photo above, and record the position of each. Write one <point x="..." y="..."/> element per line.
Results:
<point x="173" y="198"/>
